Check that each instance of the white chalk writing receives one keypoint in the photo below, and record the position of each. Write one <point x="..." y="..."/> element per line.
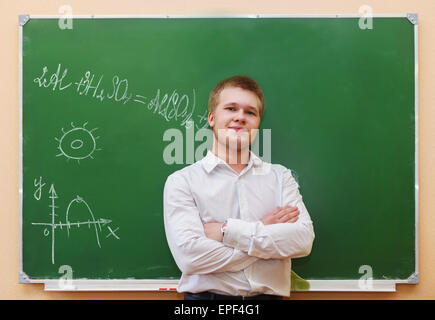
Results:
<point x="179" y="107"/>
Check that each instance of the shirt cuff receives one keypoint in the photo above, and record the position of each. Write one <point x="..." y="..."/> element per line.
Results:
<point x="238" y="234"/>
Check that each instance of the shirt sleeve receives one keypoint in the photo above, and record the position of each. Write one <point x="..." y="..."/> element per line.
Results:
<point x="193" y="252"/>
<point x="275" y="241"/>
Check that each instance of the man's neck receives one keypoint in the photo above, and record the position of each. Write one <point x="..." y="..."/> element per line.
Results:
<point x="236" y="159"/>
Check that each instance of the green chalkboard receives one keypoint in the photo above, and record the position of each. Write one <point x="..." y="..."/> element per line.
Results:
<point x="97" y="100"/>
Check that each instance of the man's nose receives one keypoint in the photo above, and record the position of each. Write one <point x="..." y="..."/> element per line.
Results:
<point x="240" y="116"/>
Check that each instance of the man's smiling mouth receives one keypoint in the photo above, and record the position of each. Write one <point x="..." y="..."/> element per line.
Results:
<point x="238" y="129"/>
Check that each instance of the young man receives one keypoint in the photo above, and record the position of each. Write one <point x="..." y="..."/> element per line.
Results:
<point x="232" y="221"/>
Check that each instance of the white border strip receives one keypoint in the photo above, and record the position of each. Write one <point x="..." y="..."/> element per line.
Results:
<point x="351" y="286"/>
<point x="111" y="285"/>
<point x="172" y="285"/>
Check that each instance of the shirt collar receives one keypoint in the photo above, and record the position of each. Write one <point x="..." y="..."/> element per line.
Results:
<point x="210" y="161"/>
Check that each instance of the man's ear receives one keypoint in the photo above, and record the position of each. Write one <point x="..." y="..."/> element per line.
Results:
<point x="211" y="119"/>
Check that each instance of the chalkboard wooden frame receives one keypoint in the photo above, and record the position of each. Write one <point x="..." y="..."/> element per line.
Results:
<point x="171" y="285"/>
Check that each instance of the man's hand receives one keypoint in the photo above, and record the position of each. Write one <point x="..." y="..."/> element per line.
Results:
<point x="281" y="215"/>
<point x="213" y="230"/>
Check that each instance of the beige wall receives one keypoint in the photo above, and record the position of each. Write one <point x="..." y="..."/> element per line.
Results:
<point x="9" y="122"/>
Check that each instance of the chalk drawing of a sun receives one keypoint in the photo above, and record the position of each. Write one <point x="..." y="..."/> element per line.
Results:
<point x="78" y="143"/>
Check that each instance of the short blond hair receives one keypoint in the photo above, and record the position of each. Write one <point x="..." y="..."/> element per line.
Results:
<point x="239" y="81"/>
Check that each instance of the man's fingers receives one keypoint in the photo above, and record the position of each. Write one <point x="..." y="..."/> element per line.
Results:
<point x="290" y="208"/>
<point x="286" y="210"/>
<point x="281" y="215"/>
<point x="278" y="209"/>
<point x="293" y="220"/>
<point x="289" y="216"/>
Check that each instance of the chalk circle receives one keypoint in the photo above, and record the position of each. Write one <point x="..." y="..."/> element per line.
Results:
<point x="76" y="144"/>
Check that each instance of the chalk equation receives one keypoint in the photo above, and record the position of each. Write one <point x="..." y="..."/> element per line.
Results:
<point x="93" y="223"/>
<point x="170" y="106"/>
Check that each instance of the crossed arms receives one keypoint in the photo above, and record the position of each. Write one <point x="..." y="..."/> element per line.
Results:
<point x="286" y="232"/>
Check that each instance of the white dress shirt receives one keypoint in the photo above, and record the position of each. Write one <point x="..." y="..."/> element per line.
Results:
<point x="253" y="258"/>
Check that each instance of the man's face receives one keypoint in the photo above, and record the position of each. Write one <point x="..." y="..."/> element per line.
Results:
<point x="236" y="118"/>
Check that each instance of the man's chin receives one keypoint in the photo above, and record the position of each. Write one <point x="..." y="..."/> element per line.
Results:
<point x="238" y="147"/>
<point x="241" y="141"/>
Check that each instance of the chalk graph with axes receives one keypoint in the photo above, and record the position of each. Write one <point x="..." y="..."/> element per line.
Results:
<point x="92" y="222"/>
